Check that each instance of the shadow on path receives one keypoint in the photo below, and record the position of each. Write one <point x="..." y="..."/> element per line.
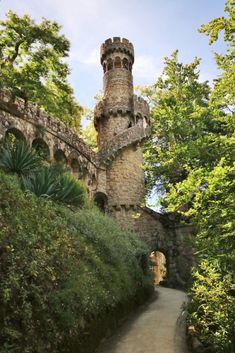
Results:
<point x="158" y="327"/>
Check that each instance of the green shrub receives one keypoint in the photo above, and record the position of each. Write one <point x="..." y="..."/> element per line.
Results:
<point x="211" y="310"/>
<point x="52" y="183"/>
<point x="19" y="158"/>
<point x="70" y="190"/>
<point x="43" y="180"/>
<point x="44" y="183"/>
<point x="60" y="271"/>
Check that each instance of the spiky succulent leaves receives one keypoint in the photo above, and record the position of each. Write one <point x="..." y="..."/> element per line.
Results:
<point x="43" y="183"/>
<point x="19" y="158"/>
<point x="71" y="191"/>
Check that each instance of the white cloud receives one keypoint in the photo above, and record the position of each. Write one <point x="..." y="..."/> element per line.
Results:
<point x="90" y="58"/>
<point x="146" y="67"/>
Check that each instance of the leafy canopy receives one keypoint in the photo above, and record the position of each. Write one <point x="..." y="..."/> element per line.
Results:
<point x="180" y="123"/>
<point x="190" y="159"/>
<point x="33" y="66"/>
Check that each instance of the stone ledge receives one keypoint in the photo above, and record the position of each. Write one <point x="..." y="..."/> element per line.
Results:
<point x="130" y="136"/>
<point x="31" y="113"/>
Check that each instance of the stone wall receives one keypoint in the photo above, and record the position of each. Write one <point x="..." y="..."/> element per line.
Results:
<point x="33" y="124"/>
<point x="169" y="237"/>
<point x="125" y="178"/>
<point x="131" y="136"/>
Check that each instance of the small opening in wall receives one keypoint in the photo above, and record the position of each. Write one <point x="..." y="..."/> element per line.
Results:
<point x="75" y="167"/>
<point x="12" y="135"/>
<point x="117" y="62"/>
<point x="60" y="157"/>
<point x="100" y="200"/>
<point x="125" y="64"/>
<point x="158" y="266"/>
<point x="109" y="64"/>
<point x="41" y="148"/>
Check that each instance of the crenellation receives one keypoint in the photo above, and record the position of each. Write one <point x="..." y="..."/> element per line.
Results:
<point x="116" y="44"/>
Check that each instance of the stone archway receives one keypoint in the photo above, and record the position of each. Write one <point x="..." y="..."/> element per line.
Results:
<point x="41" y="148"/>
<point x="100" y="199"/>
<point x="158" y="266"/>
<point x="13" y="134"/>
<point x="60" y="157"/>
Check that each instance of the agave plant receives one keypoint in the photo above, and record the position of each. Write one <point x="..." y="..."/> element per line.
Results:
<point x="19" y="158"/>
<point x="71" y="191"/>
<point x="43" y="183"/>
<point x="49" y="182"/>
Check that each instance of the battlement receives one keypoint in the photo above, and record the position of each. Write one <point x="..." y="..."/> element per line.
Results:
<point x="136" y="108"/>
<point x="116" y="44"/>
<point x="141" y="107"/>
<point x="29" y="113"/>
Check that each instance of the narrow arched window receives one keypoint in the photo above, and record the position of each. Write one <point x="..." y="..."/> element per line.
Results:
<point x="117" y="62"/>
<point x="75" y="167"/>
<point x="60" y="157"/>
<point x="41" y="148"/>
<point x="13" y="134"/>
<point x="109" y="64"/>
<point x="125" y="64"/>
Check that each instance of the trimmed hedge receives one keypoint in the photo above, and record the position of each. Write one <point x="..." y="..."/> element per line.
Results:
<point x="61" y="273"/>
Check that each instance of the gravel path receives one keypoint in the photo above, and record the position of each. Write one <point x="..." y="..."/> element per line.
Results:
<point x="157" y="328"/>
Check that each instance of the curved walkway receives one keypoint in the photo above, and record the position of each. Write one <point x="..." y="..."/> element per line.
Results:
<point x="158" y="328"/>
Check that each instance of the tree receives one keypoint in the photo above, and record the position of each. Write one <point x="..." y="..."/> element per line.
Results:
<point x="32" y="62"/>
<point x="180" y="123"/>
<point x="223" y="95"/>
<point x="89" y="135"/>
<point x="88" y="132"/>
<point x="191" y="157"/>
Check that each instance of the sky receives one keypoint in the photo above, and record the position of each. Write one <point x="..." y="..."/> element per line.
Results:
<point x="155" y="27"/>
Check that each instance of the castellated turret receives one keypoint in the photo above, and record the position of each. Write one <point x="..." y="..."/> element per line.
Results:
<point x="122" y="124"/>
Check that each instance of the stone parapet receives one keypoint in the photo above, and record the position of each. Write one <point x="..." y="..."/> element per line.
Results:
<point x="135" y="107"/>
<point x="116" y="44"/>
<point x="130" y="136"/>
<point x="102" y="110"/>
<point x="31" y="113"/>
<point x="141" y="107"/>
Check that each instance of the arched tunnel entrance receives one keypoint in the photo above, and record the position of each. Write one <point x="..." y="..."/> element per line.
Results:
<point x="158" y="266"/>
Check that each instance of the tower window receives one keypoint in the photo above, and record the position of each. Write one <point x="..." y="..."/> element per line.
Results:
<point x="125" y="64"/>
<point x="110" y="64"/>
<point x="117" y="62"/>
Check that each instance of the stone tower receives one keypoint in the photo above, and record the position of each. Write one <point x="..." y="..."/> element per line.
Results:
<point x="122" y="123"/>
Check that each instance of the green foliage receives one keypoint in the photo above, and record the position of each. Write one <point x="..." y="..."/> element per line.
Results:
<point x="70" y="191"/>
<point x="19" y="158"/>
<point x="181" y="123"/>
<point x="43" y="180"/>
<point x="42" y="184"/>
<point x="212" y="306"/>
<point x="191" y="161"/>
<point x="60" y="271"/>
<point x="223" y="95"/>
<point x="32" y="62"/>
<point x="89" y="135"/>
<point x="51" y="183"/>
